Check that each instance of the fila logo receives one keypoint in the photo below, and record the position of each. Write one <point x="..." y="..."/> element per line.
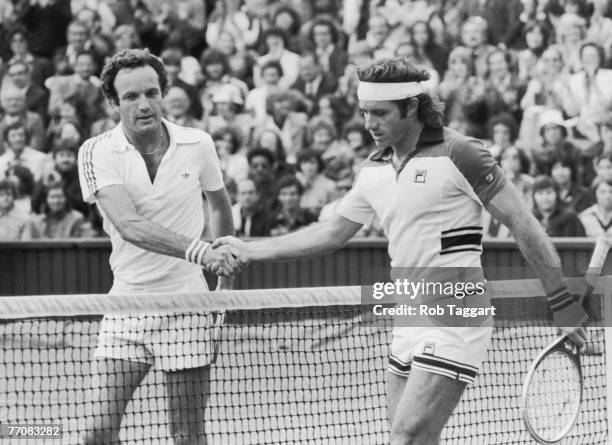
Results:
<point x="489" y="178"/>
<point x="185" y="175"/>
<point x="429" y="348"/>
<point x="420" y="176"/>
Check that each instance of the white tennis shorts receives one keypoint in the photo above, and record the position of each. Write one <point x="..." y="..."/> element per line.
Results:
<point x="455" y="352"/>
<point x="170" y="342"/>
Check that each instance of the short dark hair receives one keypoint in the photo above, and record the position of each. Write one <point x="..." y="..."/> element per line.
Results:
<point x="53" y="186"/>
<point x="235" y="134"/>
<point x="544" y="182"/>
<point x="567" y="164"/>
<point x="14" y="126"/>
<point x="523" y="158"/>
<point x="261" y="152"/>
<point x="323" y="21"/>
<point x="8" y="186"/>
<point x="213" y="56"/>
<point x="310" y="155"/>
<point x="273" y="31"/>
<point x="129" y="59"/>
<point x="26" y="179"/>
<point x="508" y="121"/>
<point x="289" y="181"/>
<point x="295" y="26"/>
<point x="430" y="109"/>
<point x="359" y="127"/>
<point x="273" y="64"/>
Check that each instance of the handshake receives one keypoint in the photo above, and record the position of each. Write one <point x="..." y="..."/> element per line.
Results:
<point x="226" y="256"/>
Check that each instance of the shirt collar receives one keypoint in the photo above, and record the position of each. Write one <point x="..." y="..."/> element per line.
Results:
<point x="177" y="136"/>
<point x="428" y="136"/>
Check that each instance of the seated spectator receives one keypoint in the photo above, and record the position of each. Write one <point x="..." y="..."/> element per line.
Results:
<point x="425" y="44"/>
<point x="503" y="131"/>
<point x="13" y="103"/>
<point x="554" y="145"/>
<point x="24" y="181"/>
<point x="597" y="219"/>
<point x="503" y="89"/>
<point x="321" y="134"/>
<point x="275" y="48"/>
<point x="172" y="59"/>
<point x="463" y="93"/>
<point x="262" y="171"/>
<point x="290" y="215"/>
<point x="36" y="97"/>
<point x="57" y="220"/>
<point x="216" y="72"/>
<point x="271" y="73"/>
<point x="18" y="152"/>
<point x="570" y="30"/>
<point x="176" y="106"/>
<point x="536" y="35"/>
<point x="39" y="67"/>
<point x="318" y="190"/>
<point x="335" y="109"/>
<point x="77" y="36"/>
<point x="234" y="164"/>
<point x="287" y="19"/>
<point x="12" y="222"/>
<point x="63" y="170"/>
<point x="408" y="51"/>
<point x="313" y="82"/>
<point x="270" y="140"/>
<point x="550" y="211"/>
<point x="251" y="218"/>
<point x="474" y="34"/>
<point x="515" y="164"/>
<point x="323" y="39"/>
<point x="66" y="123"/>
<point x="549" y="84"/>
<point x="228" y="104"/>
<point x="573" y="195"/>
<point x="376" y="43"/>
<point x="603" y="169"/>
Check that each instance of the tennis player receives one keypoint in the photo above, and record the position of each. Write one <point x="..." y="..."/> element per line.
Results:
<point x="147" y="177"/>
<point x="428" y="185"/>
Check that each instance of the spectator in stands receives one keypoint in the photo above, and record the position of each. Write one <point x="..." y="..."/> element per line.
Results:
<point x="24" y="181"/>
<point x="88" y="87"/>
<point x="287" y="19"/>
<point x="318" y="190"/>
<point x="376" y="43"/>
<point x="63" y="170"/>
<point x="106" y="123"/>
<point x="515" y="164"/>
<point x="270" y="140"/>
<point x="597" y="219"/>
<point x="321" y="134"/>
<point x="570" y="30"/>
<point x="503" y="131"/>
<point x="554" y="146"/>
<point x="290" y="215"/>
<point x="600" y="25"/>
<point x="228" y="142"/>
<point x="313" y="82"/>
<point x="216" y="72"/>
<point x="323" y="39"/>
<point x="39" y="67"/>
<point x="18" y="152"/>
<point x="359" y="140"/>
<point x="573" y="195"/>
<point x="549" y="86"/>
<point x="126" y="37"/>
<point x="36" y="97"/>
<point x="275" y="42"/>
<point x="227" y="111"/>
<point x="251" y="218"/>
<point x="408" y="50"/>
<point x="77" y="36"/>
<point x="550" y="211"/>
<point x="591" y="91"/>
<point x="463" y="94"/>
<point x="67" y="122"/>
<point x="271" y="73"/>
<point x="262" y="171"/>
<point x="474" y="36"/>
<point x="12" y="101"/>
<point x="12" y="223"/>
<point x="424" y="42"/>
<point x="172" y="59"/>
<point x="176" y="105"/>
<point x="603" y="169"/>
<point x="536" y="34"/>
<point x="57" y="220"/>
<point x="503" y="89"/>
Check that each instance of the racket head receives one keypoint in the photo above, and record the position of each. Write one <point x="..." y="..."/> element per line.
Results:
<point x="552" y="393"/>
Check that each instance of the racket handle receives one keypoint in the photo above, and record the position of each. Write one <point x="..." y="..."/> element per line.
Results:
<point x="600" y="253"/>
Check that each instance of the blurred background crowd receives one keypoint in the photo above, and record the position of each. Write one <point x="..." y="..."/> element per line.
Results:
<point x="274" y="83"/>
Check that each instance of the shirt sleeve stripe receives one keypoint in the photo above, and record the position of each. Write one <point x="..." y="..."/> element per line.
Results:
<point x="88" y="167"/>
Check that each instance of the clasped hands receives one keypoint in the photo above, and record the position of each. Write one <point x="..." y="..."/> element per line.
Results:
<point x="226" y="256"/>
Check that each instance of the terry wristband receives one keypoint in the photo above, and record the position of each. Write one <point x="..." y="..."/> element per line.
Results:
<point x="196" y="250"/>
<point x="567" y="312"/>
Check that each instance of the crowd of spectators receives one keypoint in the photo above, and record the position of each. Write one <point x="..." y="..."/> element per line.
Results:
<point x="274" y="82"/>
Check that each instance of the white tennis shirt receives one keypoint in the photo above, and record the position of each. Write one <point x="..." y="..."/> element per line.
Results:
<point x="174" y="200"/>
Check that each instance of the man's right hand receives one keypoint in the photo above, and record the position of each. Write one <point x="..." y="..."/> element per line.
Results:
<point x="224" y="260"/>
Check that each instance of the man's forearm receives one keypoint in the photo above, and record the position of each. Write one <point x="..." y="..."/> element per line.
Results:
<point x="155" y="238"/>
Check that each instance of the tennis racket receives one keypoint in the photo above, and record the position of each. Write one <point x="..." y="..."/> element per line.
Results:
<point x="553" y="389"/>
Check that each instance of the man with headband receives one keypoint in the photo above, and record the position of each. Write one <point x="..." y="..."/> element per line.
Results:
<point x="428" y="185"/>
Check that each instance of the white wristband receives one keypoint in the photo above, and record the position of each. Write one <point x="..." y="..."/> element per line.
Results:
<point x="195" y="251"/>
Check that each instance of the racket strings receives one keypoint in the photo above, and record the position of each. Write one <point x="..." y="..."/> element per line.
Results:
<point x="553" y="397"/>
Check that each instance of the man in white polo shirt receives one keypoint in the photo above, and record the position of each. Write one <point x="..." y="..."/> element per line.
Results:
<point x="147" y="177"/>
<point x="427" y="185"/>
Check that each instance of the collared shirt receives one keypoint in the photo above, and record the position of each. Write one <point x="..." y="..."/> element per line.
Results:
<point x="595" y="222"/>
<point x="33" y="160"/>
<point x="12" y="224"/>
<point x="174" y="200"/>
<point x="431" y="206"/>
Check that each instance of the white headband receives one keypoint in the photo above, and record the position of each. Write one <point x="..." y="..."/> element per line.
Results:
<point x="388" y="91"/>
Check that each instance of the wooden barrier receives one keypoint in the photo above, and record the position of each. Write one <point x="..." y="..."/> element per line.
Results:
<point x="79" y="266"/>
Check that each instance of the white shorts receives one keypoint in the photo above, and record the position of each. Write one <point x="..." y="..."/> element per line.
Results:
<point x="455" y="352"/>
<point x="170" y="341"/>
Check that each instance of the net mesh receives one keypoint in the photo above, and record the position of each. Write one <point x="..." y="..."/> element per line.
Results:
<point x="286" y="371"/>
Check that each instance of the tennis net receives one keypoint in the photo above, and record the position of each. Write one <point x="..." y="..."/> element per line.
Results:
<point x="301" y="365"/>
